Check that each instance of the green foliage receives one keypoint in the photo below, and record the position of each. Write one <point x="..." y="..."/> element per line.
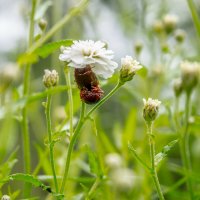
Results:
<point x="160" y="156"/>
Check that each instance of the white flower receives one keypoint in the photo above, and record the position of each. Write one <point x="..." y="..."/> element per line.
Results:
<point x="5" y="197"/>
<point x="113" y="160"/>
<point x="129" y="66"/>
<point x="151" y="108"/>
<point x="83" y="53"/>
<point x="190" y="67"/>
<point x="170" y="19"/>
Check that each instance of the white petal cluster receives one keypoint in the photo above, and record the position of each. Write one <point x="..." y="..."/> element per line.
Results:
<point x="95" y="54"/>
<point x="50" y="78"/>
<point x="155" y="103"/>
<point x="190" y="68"/>
<point x="170" y="19"/>
<point x="130" y="64"/>
<point x="5" y="197"/>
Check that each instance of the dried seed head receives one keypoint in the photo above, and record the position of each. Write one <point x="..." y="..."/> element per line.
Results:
<point x="129" y="67"/>
<point x="50" y="78"/>
<point x="85" y="77"/>
<point x="91" y="96"/>
<point x="5" y="197"/>
<point x="151" y="109"/>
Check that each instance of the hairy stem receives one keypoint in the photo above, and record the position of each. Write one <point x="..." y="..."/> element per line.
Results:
<point x="48" y="121"/>
<point x="152" y="155"/>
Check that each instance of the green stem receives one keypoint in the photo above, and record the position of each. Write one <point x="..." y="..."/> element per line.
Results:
<point x="71" y="112"/>
<point x="93" y="188"/>
<point x="75" y="11"/>
<point x="48" y="120"/>
<point x="71" y="145"/>
<point x="152" y="155"/>
<point x="104" y="99"/>
<point x="195" y="16"/>
<point x="26" y="137"/>
<point x="82" y="119"/>
<point x="185" y="148"/>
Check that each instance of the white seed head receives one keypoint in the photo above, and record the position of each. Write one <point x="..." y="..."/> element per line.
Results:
<point x="113" y="160"/>
<point x="94" y="54"/>
<point x="129" y="67"/>
<point x="151" y="109"/>
<point x="50" y="78"/>
<point x="5" y="197"/>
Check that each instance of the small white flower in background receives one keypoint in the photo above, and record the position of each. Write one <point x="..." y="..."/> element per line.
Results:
<point x="190" y="74"/>
<point x="151" y="108"/>
<point x="113" y="160"/>
<point x="5" y="197"/>
<point x="94" y="54"/>
<point x="50" y="78"/>
<point x="123" y="179"/>
<point x="129" y="67"/>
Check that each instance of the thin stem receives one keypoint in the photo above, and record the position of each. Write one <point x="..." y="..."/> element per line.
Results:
<point x="152" y="155"/>
<point x="71" y="112"/>
<point x="75" y="11"/>
<point x="195" y="16"/>
<point x="104" y="99"/>
<point x="82" y="119"/>
<point x="48" y="121"/>
<point x="71" y="146"/>
<point x="93" y="188"/>
<point x="26" y="137"/>
<point x="185" y="148"/>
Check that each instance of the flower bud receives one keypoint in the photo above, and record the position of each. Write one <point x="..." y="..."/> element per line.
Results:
<point x="180" y="35"/>
<point x="138" y="47"/>
<point x="158" y="26"/>
<point x="128" y="68"/>
<point x="190" y="75"/>
<point x="5" y="197"/>
<point x="151" y="108"/>
<point x="113" y="160"/>
<point x="178" y="86"/>
<point x="42" y="24"/>
<point x="50" y="78"/>
<point x="170" y="22"/>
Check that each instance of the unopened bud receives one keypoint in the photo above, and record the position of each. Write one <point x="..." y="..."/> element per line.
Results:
<point x="170" y="22"/>
<point x="165" y="48"/>
<point x="50" y="78"/>
<point x="42" y="24"/>
<point x="158" y="26"/>
<point x="129" y="67"/>
<point x="5" y="197"/>
<point x="138" y="47"/>
<point x="151" y="109"/>
<point x="180" y="35"/>
<point x="190" y="74"/>
<point x="178" y="86"/>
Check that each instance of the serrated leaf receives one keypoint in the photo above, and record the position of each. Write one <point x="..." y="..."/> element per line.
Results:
<point x="49" y="48"/>
<point x="94" y="163"/>
<point x="28" y="179"/>
<point x="160" y="156"/>
<point x="42" y="9"/>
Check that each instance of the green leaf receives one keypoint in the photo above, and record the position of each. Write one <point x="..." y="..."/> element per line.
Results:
<point x="160" y="156"/>
<point x="28" y="179"/>
<point x="49" y="48"/>
<point x="27" y="58"/>
<point x="143" y="72"/>
<point x="94" y="163"/>
<point x="40" y="11"/>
